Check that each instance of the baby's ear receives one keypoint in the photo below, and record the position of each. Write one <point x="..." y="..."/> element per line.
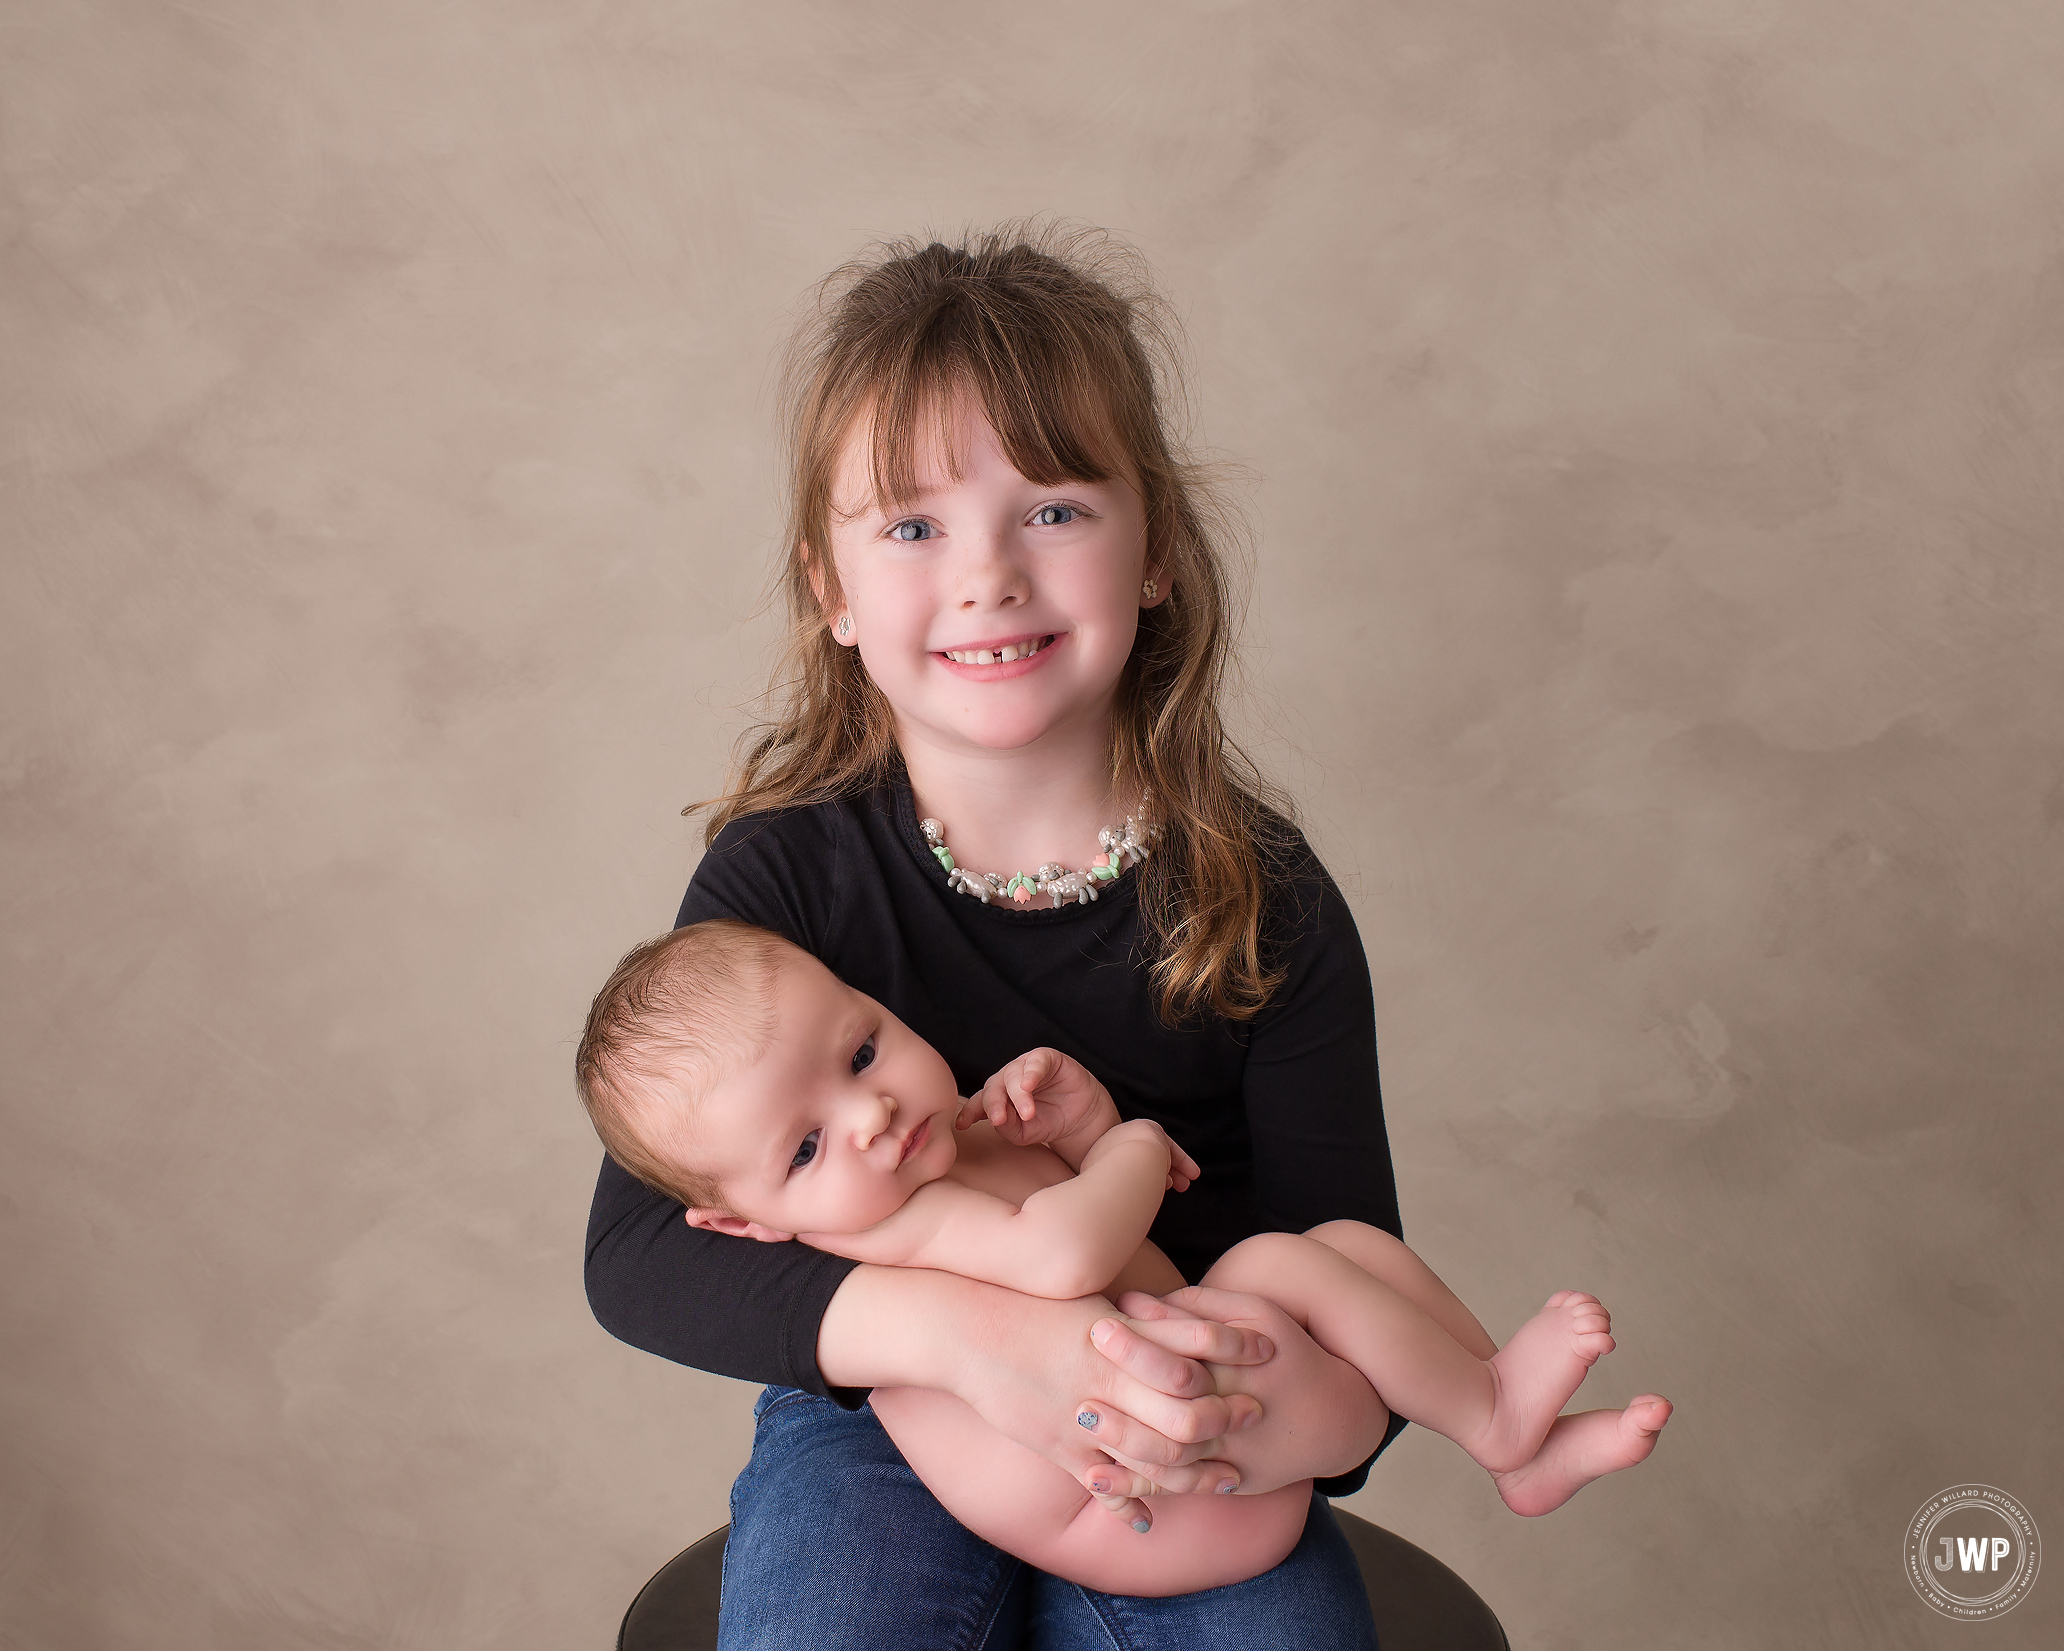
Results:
<point x="722" y="1221"/>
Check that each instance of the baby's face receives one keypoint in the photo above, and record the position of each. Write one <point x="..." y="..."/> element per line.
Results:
<point x="845" y="1116"/>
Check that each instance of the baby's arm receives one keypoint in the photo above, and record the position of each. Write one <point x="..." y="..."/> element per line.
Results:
<point x="1043" y="1098"/>
<point x="1066" y="1240"/>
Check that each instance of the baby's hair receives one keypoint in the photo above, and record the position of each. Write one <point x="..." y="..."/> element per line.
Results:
<point x="1074" y="359"/>
<point x="678" y="1014"/>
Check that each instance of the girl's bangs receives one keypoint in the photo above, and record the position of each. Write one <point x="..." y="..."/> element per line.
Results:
<point x="1053" y="428"/>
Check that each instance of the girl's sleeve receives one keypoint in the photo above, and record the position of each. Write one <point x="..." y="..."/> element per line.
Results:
<point x="1314" y="1103"/>
<point x="734" y="1306"/>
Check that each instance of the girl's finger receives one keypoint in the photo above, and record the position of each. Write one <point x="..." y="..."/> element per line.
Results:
<point x="1129" y="1511"/>
<point x="1205" y="1477"/>
<point x="1169" y="1329"/>
<point x="1120" y="1497"/>
<point x="1160" y="1446"/>
<point x="1137" y="1304"/>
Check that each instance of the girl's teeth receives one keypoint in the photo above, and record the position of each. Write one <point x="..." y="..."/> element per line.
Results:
<point x="995" y="656"/>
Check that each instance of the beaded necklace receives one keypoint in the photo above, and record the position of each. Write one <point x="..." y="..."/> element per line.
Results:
<point x="1122" y="846"/>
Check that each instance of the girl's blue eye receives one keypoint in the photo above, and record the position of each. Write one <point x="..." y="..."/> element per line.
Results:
<point x="1054" y="515"/>
<point x="919" y="532"/>
<point x="805" y="1152"/>
<point x="863" y="1057"/>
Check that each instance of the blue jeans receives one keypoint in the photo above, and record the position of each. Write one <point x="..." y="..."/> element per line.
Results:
<point x="836" y="1545"/>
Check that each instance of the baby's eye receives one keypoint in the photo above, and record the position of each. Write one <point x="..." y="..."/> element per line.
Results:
<point x="1054" y="515"/>
<point x="805" y="1152"/>
<point x="911" y="532"/>
<point x="863" y="1057"/>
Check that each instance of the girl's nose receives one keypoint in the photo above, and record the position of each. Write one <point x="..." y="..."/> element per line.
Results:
<point x="992" y="575"/>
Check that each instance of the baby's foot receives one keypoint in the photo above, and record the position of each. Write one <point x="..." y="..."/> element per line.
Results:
<point x="1582" y="1448"/>
<point x="1536" y="1372"/>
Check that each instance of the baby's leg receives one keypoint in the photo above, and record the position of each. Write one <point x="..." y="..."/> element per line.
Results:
<point x="1498" y="1409"/>
<point x="1398" y="1265"/>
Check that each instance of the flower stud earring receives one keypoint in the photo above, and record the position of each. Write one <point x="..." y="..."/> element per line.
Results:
<point x="845" y="626"/>
<point x="1150" y="589"/>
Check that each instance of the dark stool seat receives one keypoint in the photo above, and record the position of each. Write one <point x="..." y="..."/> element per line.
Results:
<point x="1419" y="1604"/>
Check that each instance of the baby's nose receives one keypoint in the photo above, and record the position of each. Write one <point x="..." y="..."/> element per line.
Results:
<point x="874" y="1124"/>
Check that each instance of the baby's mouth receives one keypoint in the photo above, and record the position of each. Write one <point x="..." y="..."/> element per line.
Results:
<point x="914" y="1141"/>
<point x="1008" y="654"/>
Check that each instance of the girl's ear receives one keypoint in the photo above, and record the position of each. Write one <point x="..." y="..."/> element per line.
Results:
<point x="722" y="1221"/>
<point x="841" y="621"/>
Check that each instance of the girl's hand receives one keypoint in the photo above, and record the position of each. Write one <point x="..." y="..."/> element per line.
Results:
<point x="1044" y="1099"/>
<point x="1339" y="1419"/>
<point x="1031" y="1367"/>
<point x="1032" y="1370"/>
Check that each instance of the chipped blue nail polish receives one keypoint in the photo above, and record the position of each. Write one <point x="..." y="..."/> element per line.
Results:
<point x="1226" y="1487"/>
<point x="1101" y="1486"/>
<point x="1141" y="1526"/>
<point x="1088" y="1418"/>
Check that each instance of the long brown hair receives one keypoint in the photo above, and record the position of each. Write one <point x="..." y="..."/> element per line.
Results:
<point x="1074" y="360"/>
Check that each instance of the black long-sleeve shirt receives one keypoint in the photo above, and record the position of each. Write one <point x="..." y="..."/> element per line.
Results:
<point x="1283" y="1113"/>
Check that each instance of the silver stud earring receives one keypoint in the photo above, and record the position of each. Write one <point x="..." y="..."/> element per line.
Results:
<point x="845" y="626"/>
<point x="1150" y="590"/>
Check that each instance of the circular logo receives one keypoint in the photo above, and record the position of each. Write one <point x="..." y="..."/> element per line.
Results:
<point x="1972" y="1552"/>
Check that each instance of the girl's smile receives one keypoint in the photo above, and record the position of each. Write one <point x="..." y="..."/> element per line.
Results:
<point x="999" y="660"/>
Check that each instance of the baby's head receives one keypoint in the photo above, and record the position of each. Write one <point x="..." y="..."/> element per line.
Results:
<point x="733" y="1071"/>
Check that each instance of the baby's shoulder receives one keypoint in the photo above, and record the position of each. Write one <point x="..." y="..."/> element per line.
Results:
<point x="989" y="1163"/>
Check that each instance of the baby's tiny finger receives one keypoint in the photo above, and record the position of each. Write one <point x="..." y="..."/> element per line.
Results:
<point x="996" y="1104"/>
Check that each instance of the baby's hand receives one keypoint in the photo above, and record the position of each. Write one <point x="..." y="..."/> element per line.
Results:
<point x="1182" y="1168"/>
<point x="1043" y="1098"/>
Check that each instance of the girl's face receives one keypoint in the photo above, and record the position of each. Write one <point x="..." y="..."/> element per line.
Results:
<point x="992" y="612"/>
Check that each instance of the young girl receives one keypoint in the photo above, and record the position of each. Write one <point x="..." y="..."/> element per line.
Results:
<point x="1010" y="618"/>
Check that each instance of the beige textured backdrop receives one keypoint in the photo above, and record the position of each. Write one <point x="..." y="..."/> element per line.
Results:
<point x="1655" y="411"/>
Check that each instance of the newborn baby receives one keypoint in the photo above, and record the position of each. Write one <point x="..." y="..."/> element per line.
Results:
<point x="734" y="1072"/>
